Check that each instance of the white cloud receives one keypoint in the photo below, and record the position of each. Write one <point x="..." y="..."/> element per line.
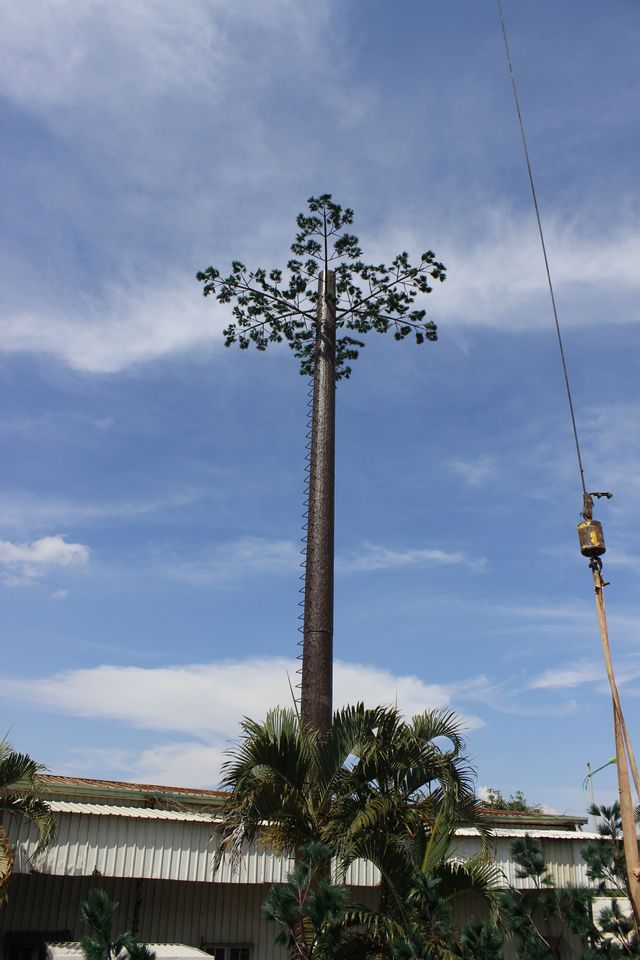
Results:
<point x="25" y="562"/>
<point x="497" y="280"/>
<point x="226" y="562"/>
<point x="580" y="673"/>
<point x="181" y="762"/>
<point x="26" y="512"/>
<point x="188" y="763"/>
<point x="474" y="472"/>
<point x="371" y="557"/>
<point x="65" y="54"/>
<point x="130" y="325"/>
<point x="104" y="423"/>
<point x="60" y="595"/>
<point x="496" y="274"/>
<point x="206" y="700"/>
<point x="359" y="681"/>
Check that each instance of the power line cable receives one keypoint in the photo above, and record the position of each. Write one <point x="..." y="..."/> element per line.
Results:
<point x="542" y="242"/>
<point x="624" y="749"/>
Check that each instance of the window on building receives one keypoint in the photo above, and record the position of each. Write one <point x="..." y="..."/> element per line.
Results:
<point x="229" y="951"/>
<point x="239" y="953"/>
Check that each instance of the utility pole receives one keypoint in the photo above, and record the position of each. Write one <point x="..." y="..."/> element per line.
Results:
<point x="317" y="651"/>
<point x="592" y="545"/>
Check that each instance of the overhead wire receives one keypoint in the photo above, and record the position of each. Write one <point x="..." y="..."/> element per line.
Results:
<point x="542" y="242"/>
<point x="624" y="749"/>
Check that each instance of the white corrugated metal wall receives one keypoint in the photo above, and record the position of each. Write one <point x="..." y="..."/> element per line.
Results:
<point x="137" y="842"/>
<point x="169" y="846"/>
<point x="168" y="856"/>
<point x="562" y="856"/>
<point x="168" y="911"/>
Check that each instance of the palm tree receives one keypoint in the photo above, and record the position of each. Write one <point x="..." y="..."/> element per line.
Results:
<point x="400" y="803"/>
<point x="365" y="787"/>
<point x="375" y="787"/>
<point x="284" y="780"/>
<point x="20" y="794"/>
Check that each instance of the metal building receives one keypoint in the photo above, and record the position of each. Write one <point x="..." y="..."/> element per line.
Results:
<point x="153" y="848"/>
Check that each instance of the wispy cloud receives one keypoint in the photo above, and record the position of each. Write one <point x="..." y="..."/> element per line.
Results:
<point x="569" y="676"/>
<point x="496" y="275"/>
<point x="586" y="671"/>
<point x="228" y="562"/>
<point x="129" y="325"/>
<point x="507" y="697"/>
<point x="25" y="563"/>
<point x="176" y="762"/>
<point x="162" y="82"/>
<point x="181" y="52"/>
<point x="60" y="595"/>
<point x="133" y="323"/>
<point x="513" y="292"/>
<point x="474" y="472"/>
<point x="27" y="512"/>
<point x="372" y="557"/>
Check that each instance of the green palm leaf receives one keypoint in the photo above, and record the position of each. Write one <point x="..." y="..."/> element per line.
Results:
<point x="21" y="794"/>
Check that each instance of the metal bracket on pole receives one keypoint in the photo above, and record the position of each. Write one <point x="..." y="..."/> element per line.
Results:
<point x="587" y="502"/>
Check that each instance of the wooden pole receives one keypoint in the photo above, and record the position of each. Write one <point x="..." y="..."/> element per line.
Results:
<point x="621" y="740"/>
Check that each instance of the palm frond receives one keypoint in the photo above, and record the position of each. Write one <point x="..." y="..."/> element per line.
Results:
<point x="21" y="793"/>
<point x="475" y="875"/>
<point x="6" y="864"/>
<point x="38" y="812"/>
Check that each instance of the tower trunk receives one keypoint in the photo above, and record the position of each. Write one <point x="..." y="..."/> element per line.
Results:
<point x="317" y="651"/>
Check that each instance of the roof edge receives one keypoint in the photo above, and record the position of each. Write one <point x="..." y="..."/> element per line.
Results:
<point x="56" y="785"/>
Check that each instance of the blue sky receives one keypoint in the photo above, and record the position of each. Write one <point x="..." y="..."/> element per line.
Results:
<point x="151" y="496"/>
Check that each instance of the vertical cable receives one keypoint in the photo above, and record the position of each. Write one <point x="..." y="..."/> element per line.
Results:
<point x="542" y="243"/>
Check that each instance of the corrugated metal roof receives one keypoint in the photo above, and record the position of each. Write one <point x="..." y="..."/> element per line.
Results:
<point x="153" y="813"/>
<point x="163" y="951"/>
<point x="56" y="780"/>
<point x="56" y="784"/>
<point x="536" y="834"/>
<point x="143" y="813"/>
<point x="533" y="818"/>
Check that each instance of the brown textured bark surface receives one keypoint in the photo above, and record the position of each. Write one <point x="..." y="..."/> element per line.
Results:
<point x="317" y="651"/>
<point x="624" y="785"/>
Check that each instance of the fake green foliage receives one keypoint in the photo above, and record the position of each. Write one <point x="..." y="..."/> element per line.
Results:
<point x="309" y="909"/>
<point x="549" y="922"/>
<point x="427" y="931"/>
<point x="97" y="911"/>
<point x="605" y="859"/>
<point x="606" y="864"/>
<point x="272" y="306"/>
<point x="480" y="941"/>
